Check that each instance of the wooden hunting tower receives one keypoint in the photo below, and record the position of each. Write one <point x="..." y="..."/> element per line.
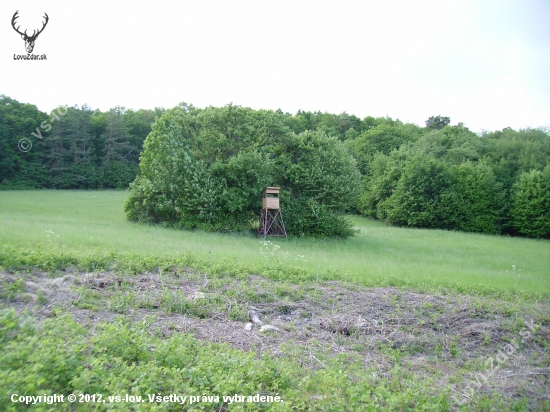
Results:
<point x="271" y="219"/>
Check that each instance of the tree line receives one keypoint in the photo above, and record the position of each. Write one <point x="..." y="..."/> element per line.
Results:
<point x="204" y="168"/>
<point x="72" y="147"/>
<point x="451" y="178"/>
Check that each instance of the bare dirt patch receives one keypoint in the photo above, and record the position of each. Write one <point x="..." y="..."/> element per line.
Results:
<point x="452" y="338"/>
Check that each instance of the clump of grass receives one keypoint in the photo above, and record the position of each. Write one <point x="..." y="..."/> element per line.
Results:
<point x="11" y="290"/>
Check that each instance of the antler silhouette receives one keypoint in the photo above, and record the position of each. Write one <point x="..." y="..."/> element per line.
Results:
<point x="29" y="40"/>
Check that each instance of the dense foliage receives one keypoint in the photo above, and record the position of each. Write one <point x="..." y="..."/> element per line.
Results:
<point x="72" y="147"/>
<point x="530" y="203"/>
<point x="451" y="178"/>
<point x="205" y="168"/>
<point x="119" y="358"/>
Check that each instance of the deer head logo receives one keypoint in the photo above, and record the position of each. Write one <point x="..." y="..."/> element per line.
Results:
<point x="29" y="40"/>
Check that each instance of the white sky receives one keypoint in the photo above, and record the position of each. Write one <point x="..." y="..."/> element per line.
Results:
<point x="482" y="62"/>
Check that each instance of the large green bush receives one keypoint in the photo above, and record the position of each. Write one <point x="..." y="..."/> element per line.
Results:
<point x="206" y="169"/>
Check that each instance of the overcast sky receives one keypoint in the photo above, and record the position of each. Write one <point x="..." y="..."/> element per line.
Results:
<point x="482" y="62"/>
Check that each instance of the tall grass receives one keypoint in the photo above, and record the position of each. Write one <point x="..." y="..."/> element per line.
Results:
<point x="85" y="222"/>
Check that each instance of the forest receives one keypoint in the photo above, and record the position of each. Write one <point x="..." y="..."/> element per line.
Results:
<point x="204" y="168"/>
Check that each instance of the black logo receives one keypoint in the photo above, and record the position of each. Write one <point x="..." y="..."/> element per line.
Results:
<point x="29" y="40"/>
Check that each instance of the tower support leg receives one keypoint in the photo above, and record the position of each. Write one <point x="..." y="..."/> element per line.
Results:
<point x="271" y="224"/>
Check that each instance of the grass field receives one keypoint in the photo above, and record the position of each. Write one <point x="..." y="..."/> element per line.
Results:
<point x="392" y="319"/>
<point x="85" y="222"/>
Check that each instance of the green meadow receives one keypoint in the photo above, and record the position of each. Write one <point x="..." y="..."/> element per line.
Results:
<point x="88" y="222"/>
<point x="391" y="319"/>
